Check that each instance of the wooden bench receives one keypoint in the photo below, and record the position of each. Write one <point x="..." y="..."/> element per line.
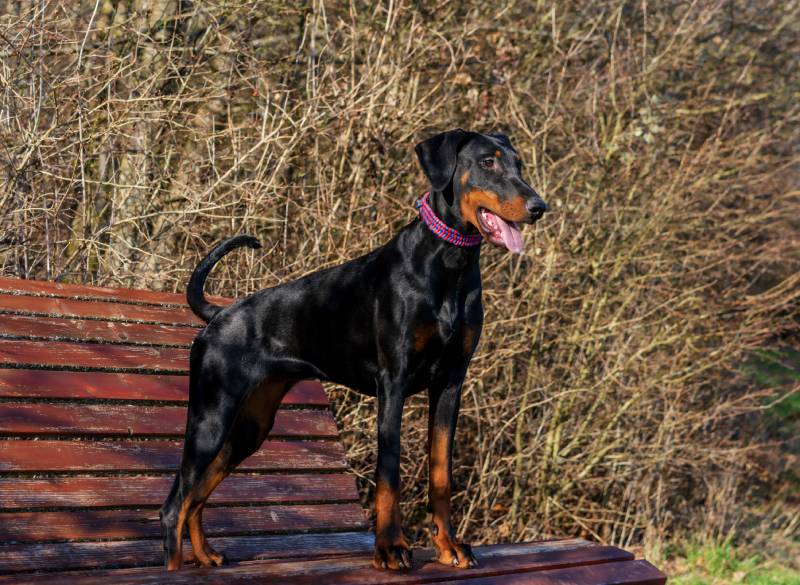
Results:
<point x="93" y="389"/>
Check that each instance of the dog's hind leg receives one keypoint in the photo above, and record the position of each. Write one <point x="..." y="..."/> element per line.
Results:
<point x="232" y="404"/>
<point x="213" y="476"/>
<point x="206" y="452"/>
<point x="204" y="459"/>
<point x="252" y="425"/>
<point x="215" y="396"/>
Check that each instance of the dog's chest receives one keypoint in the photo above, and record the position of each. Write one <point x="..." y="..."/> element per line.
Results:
<point x="446" y="334"/>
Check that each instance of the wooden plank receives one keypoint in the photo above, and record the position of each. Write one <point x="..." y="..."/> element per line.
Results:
<point x="250" y="571"/>
<point x="116" y="419"/>
<point x="80" y="291"/>
<point x="56" y="307"/>
<point x="56" y="329"/>
<point x="593" y="567"/>
<point x="518" y="568"/>
<point x="619" y="573"/>
<point x="157" y="455"/>
<point x="92" y="355"/>
<point x="137" y="553"/>
<point x="21" y="383"/>
<point x="89" y="492"/>
<point x="357" y="570"/>
<point x="27" y="383"/>
<point x="31" y="527"/>
<point x="519" y="571"/>
<point x="596" y="565"/>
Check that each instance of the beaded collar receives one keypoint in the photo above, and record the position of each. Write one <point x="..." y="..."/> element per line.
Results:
<point x="441" y="229"/>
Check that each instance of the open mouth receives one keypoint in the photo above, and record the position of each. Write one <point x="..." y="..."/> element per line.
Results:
<point x="499" y="231"/>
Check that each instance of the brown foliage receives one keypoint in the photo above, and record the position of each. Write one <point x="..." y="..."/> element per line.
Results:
<point x="135" y="134"/>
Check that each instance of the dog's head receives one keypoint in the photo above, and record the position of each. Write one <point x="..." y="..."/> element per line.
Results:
<point x="479" y="176"/>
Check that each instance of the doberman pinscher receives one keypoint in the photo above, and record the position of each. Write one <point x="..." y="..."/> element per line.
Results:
<point x="405" y="317"/>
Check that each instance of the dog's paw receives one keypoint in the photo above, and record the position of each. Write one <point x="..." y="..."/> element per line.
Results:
<point x="455" y="554"/>
<point x="209" y="558"/>
<point x="392" y="555"/>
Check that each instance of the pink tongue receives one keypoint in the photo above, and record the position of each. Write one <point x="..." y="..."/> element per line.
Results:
<point x="512" y="237"/>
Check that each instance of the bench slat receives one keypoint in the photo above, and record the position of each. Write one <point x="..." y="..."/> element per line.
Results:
<point x="137" y="553"/>
<point x="53" y="328"/>
<point x="127" y="295"/>
<point x="131" y="524"/>
<point x="115" y="419"/>
<point x="88" y="492"/>
<point x="157" y="455"/>
<point x="57" y="307"/>
<point x="590" y="565"/>
<point x="118" y="386"/>
<point x="520" y="571"/>
<point x="92" y="355"/>
<point x="523" y="555"/>
<point x="527" y="567"/>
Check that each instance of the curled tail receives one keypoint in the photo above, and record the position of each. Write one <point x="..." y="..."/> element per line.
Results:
<point x="194" y="291"/>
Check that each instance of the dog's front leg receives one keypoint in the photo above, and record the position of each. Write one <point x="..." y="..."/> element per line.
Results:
<point x="391" y="547"/>
<point x="444" y="402"/>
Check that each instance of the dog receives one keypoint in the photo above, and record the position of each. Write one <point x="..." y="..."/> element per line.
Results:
<point x="401" y="319"/>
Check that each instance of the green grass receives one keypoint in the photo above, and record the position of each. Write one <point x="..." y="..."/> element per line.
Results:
<point x="777" y="368"/>
<point x="720" y="564"/>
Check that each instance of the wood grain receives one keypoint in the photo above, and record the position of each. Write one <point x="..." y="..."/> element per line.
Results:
<point x="130" y="524"/>
<point x="114" y="419"/>
<point x="18" y="353"/>
<point x="57" y="329"/>
<point x="157" y="455"/>
<point x="127" y="295"/>
<point x="57" y="307"/>
<point x="26" y="383"/>
<point x="582" y="565"/>
<point x="149" y="491"/>
<point x="132" y="553"/>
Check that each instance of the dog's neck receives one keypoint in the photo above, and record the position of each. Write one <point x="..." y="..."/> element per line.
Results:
<point x="450" y="213"/>
<point x="455" y="258"/>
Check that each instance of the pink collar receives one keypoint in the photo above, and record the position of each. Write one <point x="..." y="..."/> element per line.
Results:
<point x="441" y="229"/>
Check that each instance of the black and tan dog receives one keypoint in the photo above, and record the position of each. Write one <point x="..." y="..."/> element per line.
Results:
<point x="403" y="318"/>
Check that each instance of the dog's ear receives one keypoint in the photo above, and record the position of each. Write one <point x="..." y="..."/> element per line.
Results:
<point x="437" y="156"/>
<point x="504" y="139"/>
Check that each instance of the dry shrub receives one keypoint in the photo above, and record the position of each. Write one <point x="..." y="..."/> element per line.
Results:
<point x="135" y="134"/>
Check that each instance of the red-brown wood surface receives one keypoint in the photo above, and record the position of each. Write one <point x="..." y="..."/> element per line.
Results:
<point x="520" y="564"/>
<point x="523" y="568"/>
<point x="128" y="524"/>
<point x="116" y="419"/>
<point x="27" y="383"/>
<point x="137" y="553"/>
<point x="59" y="354"/>
<point x="579" y="565"/>
<point x="157" y="455"/>
<point x="127" y="295"/>
<point x="90" y="492"/>
<point x="110" y="443"/>
<point x="57" y="307"/>
<point x="541" y="552"/>
<point x="57" y="329"/>
<point x="603" y="573"/>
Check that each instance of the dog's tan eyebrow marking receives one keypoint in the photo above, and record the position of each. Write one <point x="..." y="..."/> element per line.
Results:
<point x="497" y="153"/>
<point x="464" y="178"/>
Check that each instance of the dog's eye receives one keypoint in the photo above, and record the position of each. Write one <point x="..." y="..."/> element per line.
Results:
<point x="487" y="163"/>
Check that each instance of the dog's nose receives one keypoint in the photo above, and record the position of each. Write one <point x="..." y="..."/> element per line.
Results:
<point x="536" y="207"/>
